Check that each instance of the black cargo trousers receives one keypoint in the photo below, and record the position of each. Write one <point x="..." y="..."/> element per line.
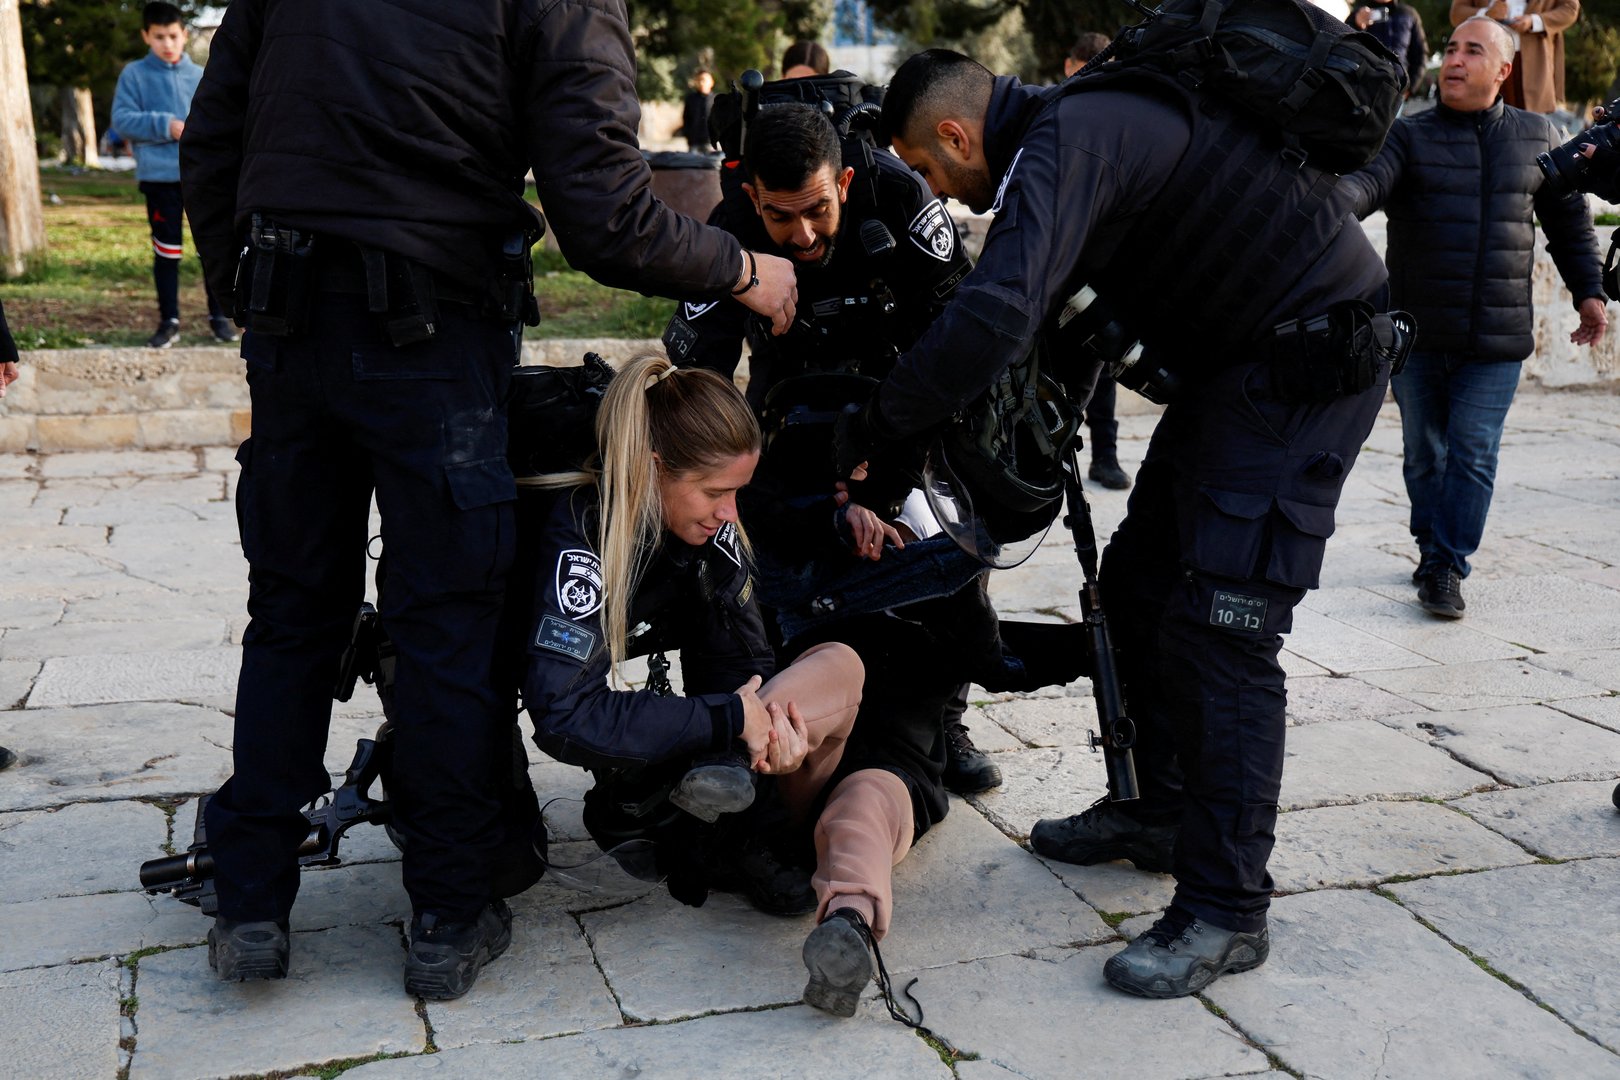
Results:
<point x="1222" y="537"/>
<point x="340" y="413"/>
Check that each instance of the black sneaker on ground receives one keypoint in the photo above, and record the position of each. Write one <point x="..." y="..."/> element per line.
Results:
<point x="968" y="770"/>
<point x="838" y="956"/>
<point x="167" y="331"/>
<point x="1103" y="832"/>
<point x="8" y="758"/>
<point x="1441" y="594"/>
<point x="1178" y="955"/>
<point x="445" y="957"/>
<point x="223" y="328"/>
<point x="1106" y="471"/>
<point x="722" y="784"/>
<point x="239" y="951"/>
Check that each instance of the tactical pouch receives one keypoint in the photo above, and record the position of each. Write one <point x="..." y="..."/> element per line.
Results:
<point x="274" y="280"/>
<point x="400" y="292"/>
<point x="1337" y="353"/>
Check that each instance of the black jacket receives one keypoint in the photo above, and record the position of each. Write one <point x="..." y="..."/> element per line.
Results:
<point x="408" y="125"/>
<point x="698" y="600"/>
<point x="1462" y="193"/>
<point x="1080" y="185"/>
<point x="857" y="312"/>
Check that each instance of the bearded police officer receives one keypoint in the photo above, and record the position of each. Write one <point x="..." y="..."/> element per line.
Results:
<point x="877" y="258"/>
<point x="1135" y="188"/>
<point x="367" y="159"/>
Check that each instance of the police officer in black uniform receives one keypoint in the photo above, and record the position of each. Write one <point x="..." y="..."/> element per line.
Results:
<point x="1210" y="242"/>
<point x="877" y="257"/>
<point x="367" y="159"/>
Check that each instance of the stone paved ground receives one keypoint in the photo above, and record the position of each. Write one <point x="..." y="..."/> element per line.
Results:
<point x="1448" y="867"/>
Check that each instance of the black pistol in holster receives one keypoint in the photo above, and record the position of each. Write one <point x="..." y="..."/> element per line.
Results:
<point x="1118" y="731"/>
<point x="274" y="279"/>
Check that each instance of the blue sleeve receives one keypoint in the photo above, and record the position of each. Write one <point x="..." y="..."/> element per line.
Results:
<point x="578" y="717"/>
<point x="130" y="119"/>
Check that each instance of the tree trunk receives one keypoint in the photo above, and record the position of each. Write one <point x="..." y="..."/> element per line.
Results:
<point x="78" y="127"/>
<point x="22" y="219"/>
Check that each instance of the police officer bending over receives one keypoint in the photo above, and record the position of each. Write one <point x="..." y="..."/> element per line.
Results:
<point x="877" y="258"/>
<point x="1133" y="187"/>
<point x="375" y="182"/>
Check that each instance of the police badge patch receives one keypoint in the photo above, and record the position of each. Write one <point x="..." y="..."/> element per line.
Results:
<point x="932" y="231"/>
<point x="579" y="583"/>
<point x="694" y="310"/>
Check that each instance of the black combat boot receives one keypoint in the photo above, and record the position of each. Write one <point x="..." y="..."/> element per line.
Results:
<point x="445" y="957"/>
<point x="1106" y="471"/>
<point x="240" y="951"/>
<point x="1180" y="955"/>
<point x="968" y="770"/>
<point x="1103" y="832"/>
<point x="715" y="785"/>
<point x="838" y="955"/>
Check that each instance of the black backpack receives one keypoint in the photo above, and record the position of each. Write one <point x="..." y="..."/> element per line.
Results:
<point x="1331" y="91"/>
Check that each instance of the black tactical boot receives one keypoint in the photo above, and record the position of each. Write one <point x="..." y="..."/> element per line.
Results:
<point x="1106" y="471"/>
<point x="1102" y="833"/>
<point x="1178" y="955"/>
<point x="968" y="770"/>
<point x="248" y="950"/>
<point x="8" y="758"/>
<point x="720" y="784"/>
<point x="838" y="956"/>
<point x="445" y="957"/>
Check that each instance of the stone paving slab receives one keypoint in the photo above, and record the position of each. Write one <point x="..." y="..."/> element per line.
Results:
<point x="1388" y="765"/>
<point x="103" y="639"/>
<point x="1041" y="784"/>
<point x="1562" y="821"/>
<point x="1546" y="612"/>
<point x="134" y="750"/>
<point x="147" y="505"/>
<point x="1115" y="887"/>
<point x="1048" y="721"/>
<point x="135" y="676"/>
<point x="24" y="529"/>
<point x="77" y="850"/>
<point x="60" y="1023"/>
<point x="1602" y="711"/>
<point x="1314" y="700"/>
<point x="1538" y="925"/>
<point x="784" y="1044"/>
<point x="1483" y="684"/>
<point x="1520" y="745"/>
<point x="1409" y="626"/>
<point x="546" y="984"/>
<point x="1296" y="666"/>
<point x="117" y="463"/>
<point x="1601" y="667"/>
<point x="31" y="611"/>
<point x="1039" y="1017"/>
<point x="342" y="998"/>
<point x="44" y="933"/>
<point x="1356" y="987"/>
<point x="987" y="735"/>
<point x="1343" y="649"/>
<point x="16" y="680"/>
<point x="1350" y="846"/>
<point x="206" y="555"/>
<point x="46" y="573"/>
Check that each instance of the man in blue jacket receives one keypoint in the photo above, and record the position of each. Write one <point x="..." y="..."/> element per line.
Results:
<point x="149" y="109"/>
<point x="1460" y="186"/>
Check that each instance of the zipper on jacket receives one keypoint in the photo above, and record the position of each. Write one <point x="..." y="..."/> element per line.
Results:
<point x="1484" y="231"/>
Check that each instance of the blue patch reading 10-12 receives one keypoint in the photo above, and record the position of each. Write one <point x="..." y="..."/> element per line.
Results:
<point x="565" y="637"/>
<point x="1235" y="612"/>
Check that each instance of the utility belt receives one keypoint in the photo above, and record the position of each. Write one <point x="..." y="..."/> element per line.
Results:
<point x="1337" y="353"/>
<point x="1317" y="359"/>
<point x="282" y="269"/>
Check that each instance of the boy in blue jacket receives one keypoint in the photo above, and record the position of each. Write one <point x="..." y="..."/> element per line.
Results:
<point x="149" y="110"/>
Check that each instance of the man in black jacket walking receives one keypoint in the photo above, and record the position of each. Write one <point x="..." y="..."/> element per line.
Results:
<point x="1462" y="192"/>
<point x="367" y="159"/>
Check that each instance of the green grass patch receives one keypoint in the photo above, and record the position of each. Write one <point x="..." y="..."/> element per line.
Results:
<point x="93" y="284"/>
<point x="1114" y="918"/>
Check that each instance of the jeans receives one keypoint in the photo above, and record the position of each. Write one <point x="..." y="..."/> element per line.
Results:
<point x="1452" y="412"/>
